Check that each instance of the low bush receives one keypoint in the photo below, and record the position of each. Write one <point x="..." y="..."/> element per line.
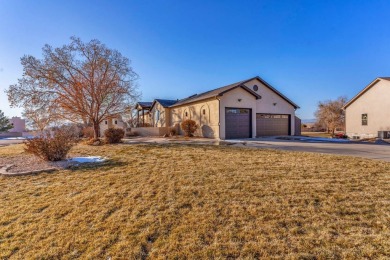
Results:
<point x="189" y="127"/>
<point x="172" y="131"/>
<point x="51" y="147"/>
<point x="114" y="135"/>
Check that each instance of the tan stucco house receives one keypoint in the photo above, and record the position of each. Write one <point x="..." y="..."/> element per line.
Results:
<point x="244" y="109"/>
<point x="160" y="112"/>
<point x="369" y="111"/>
<point x="112" y="122"/>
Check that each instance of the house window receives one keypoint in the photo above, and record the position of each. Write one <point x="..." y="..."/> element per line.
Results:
<point x="364" y="119"/>
<point x="255" y="88"/>
<point x="116" y="122"/>
<point x="186" y="113"/>
<point x="237" y="111"/>
<point x="204" y="111"/>
<point x="157" y="116"/>
<point x="105" y="122"/>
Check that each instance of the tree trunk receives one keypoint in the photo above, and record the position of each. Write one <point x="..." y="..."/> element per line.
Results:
<point x="96" y="130"/>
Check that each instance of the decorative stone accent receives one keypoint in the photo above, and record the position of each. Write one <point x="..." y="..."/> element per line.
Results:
<point x="4" y="171"/>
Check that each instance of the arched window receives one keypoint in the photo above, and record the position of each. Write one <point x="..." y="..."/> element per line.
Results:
<point x="156" y="116"/>
<point x="204" y="115"/>
<point x="186" y="114"/>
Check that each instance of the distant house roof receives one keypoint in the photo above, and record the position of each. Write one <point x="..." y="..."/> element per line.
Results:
<point x="222" y="90"/>
<point x="369" y="86"/>
<point x="164" y="102"/>
<point x="144" y="105"/>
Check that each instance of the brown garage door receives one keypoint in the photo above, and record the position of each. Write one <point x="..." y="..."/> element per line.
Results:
<point x="238" y="123"/>
<point x="271" y="124"/>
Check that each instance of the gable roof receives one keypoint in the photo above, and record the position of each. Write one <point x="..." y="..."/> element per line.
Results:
<point x="369" y="86"/>
<point x="164" y="102"/>
<point x="276" y="92"/>
<point x="222" y="90"/>
<point x="144" y="105"/>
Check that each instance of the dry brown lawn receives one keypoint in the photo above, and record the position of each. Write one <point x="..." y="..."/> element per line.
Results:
<point x="317" y="134"/>
<point x="201" y="202"/>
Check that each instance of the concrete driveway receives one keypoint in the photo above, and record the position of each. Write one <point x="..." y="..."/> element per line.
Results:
<point x="351" y="148"/>
<point x="288" y="143"/>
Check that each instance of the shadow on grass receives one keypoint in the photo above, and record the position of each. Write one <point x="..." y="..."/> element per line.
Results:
<point x="107" y="165"/>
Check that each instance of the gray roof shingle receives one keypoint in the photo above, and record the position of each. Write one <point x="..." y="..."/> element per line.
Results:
<point x="166" y="102"/>
<point x="145" y="104"/>
<point x="221" y="90"/>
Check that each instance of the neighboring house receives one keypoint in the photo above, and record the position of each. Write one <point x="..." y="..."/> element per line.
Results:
<point x="18" y="129"/>
<point x="112" y="122"/>
<point x="160" y="112"/>
<point x="19" y="125"/>
<point x="369" y="111"/>
<point x="245" y="109"/>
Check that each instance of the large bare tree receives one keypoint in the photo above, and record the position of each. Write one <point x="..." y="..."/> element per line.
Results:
<point x="80" y="82"/>
<point x="330" y="114"/>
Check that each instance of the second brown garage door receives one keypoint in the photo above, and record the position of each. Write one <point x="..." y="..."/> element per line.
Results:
<point x="271" y="124"/>
<point x="238" y="123"/>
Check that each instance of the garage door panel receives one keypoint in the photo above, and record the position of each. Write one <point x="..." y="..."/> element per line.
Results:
<point x="271" y="124"/>
<point x="237" y="123"/>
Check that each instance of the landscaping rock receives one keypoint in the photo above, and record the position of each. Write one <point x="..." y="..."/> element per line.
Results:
<point x="6" y="171"/>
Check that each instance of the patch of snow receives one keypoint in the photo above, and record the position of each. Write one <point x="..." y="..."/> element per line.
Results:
<point x="88" y="159"/>
<point x="14" y="138"/>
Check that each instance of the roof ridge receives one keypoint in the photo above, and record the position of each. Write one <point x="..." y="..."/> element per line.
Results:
<point x="232" y="85"/>
<point x="364" y="90"/>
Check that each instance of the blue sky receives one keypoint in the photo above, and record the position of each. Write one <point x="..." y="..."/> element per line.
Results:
<point x="309" y="50"/>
